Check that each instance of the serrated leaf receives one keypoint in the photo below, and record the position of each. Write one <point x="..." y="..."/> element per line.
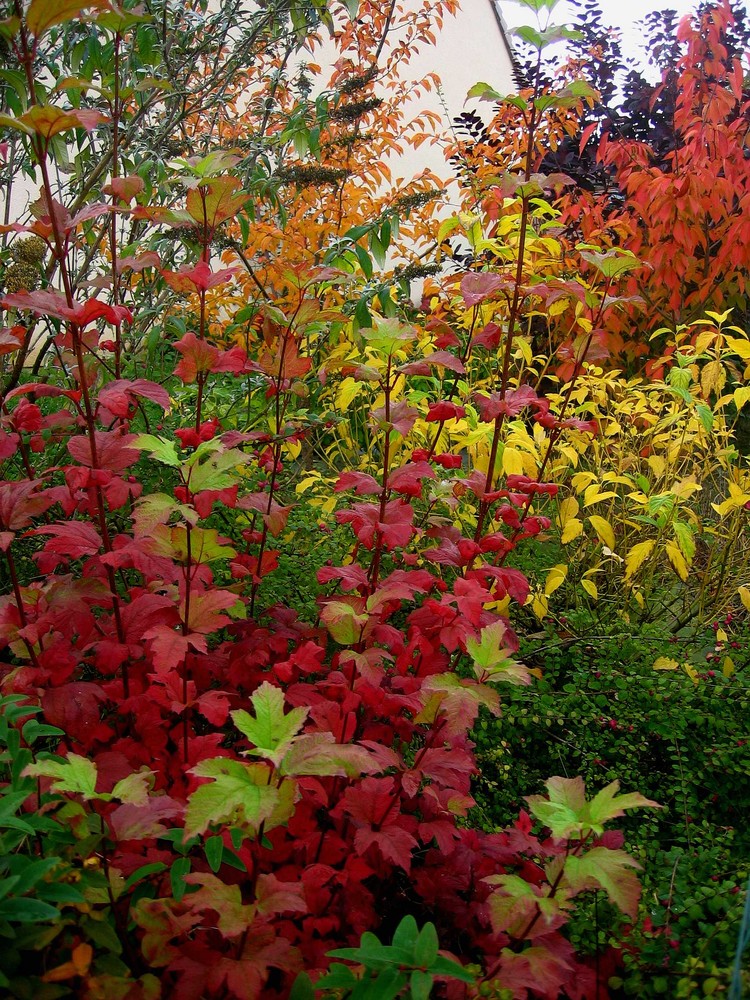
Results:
<point x="270" y="730"/>
<point x="74" y="774"/>
<point x="492" y="659"/>
<point x="676" y="558"/>
<point x="611" y="870"/>
<point x="685" y="539"/>
<point x="159" y="448"/>
<point x="239" y="794"/>
<point x="567" y="813"/>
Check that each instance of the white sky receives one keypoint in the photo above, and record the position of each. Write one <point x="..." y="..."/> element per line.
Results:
<point x="623" y="14"/>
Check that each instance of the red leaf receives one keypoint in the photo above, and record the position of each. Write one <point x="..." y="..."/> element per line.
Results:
<point x="130" y="822"/>
<point x="112" y="450"/>
<point x="11" y="338"/>
<point x="396" y="528"/>
<point x="408" y="478"/>
<point x="360" y="482"/>
<point x="373" y="807"/>
<point x="72" y="539"/>
<point x="351" y="577"/>
<point x="442" y="411"/>
<point x="402" y="418"/>
<point x="200" y="356"/>
<point x="75" y="708"/>
<point x="117" y="396"/>
<point x="20" y="502"/>
<point x="125" y="188"/>
<point x="509" y="404"/>
<point x="169" y="647"/>
<point x="47" y="303"/>
<point x="488" y="337"/>
<point x="475" y="287"/>
<point x="199" y="278"/>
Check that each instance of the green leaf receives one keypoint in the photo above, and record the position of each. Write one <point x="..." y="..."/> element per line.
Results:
<point x="239" y="794"/>
<point x="447" y="967"/>
<point x="159" y="448"/>
<point x="302" y="988"/>
<point x="705" y="415"/>
<point x="612" y="263"/>
<point x="427" y="946"/>
<point x="611" y="870"/>
<point x="406" y="934"/>
<point x="214" y="848"/>
<point x="420" y="984"/>
<point x="27" y="911"/>
<point x="33" y="872"/>
<point x="154" y="868"/>
<point x="74" y="774"/>
<point x="33" y="730"/>
<point x="178" y="871"/>
<point x="45" y="14"/>
<point x="270" y="730"/>
<point x="53" y="892"/>
<point x="607" y="805"/>
<point x="567" y="813"/>
<point x="492" y="660"/>
<point x="338" y="977"/>
<point x="352" y="7"/>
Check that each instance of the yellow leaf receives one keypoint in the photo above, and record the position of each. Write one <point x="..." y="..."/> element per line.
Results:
<point x="665" y="663"/>
<point x="657" y="465"/>
<point x="348" y="390"/>
<point x="637" y="556"/>
<point x="512" y="462"/>
<point x="539" y="606"/>
<point x="741" y="347"/>
<point x="555" y="578"/>
<point x="713" y="378"/>
<point x="307" y="482"/>
<point x="744" y="593"/>
<point x="728" y="668"/>
<point x="594" y="495"/>
<point x="704" y="341"/>
<point x="581" y="480"/>
<point x="568" y="508"/>
<point x="604" y="530"/>
<point x="293" y="448"/>
<point x="741" y="396"/>
<point x="721" y="635"/>
<point x="590" y="587"/>
<point x="572" y="529"/>
<point x="677" y="559"/>
<point x="691" y="672"/>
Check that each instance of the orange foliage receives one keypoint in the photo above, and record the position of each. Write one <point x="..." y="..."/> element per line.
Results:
<point x="687" y="215"/>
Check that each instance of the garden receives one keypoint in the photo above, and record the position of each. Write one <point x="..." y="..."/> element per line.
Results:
<point x="375" y="614"/>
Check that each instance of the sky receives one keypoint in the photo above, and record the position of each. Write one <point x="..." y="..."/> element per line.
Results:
<point x="623" y="14"/>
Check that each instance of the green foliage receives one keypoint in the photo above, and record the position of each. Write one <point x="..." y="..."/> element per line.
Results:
<point x="602" y="711"/>
<point x="406" y="968"/>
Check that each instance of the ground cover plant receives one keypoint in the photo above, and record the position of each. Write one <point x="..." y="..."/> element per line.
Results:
<point x="229" y="770"/>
